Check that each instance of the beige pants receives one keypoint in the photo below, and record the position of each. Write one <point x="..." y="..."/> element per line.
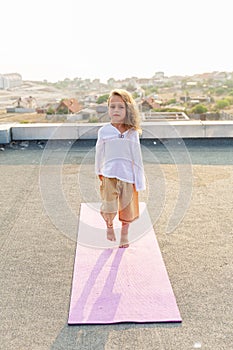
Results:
<point x="118" y="197"/>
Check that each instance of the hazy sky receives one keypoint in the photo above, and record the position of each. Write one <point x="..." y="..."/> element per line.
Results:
<point x="114" y="39"/>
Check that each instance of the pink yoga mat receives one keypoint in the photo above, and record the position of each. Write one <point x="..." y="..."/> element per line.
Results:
<point x="113" y="285"/>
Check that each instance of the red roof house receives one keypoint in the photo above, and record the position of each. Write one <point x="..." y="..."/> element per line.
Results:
<point x="69" y="105"/>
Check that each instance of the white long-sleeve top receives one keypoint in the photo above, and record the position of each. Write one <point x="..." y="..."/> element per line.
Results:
<point x="119" y="156"/>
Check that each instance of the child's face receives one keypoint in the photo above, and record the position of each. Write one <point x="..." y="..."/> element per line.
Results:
<point x="117" y="109"/>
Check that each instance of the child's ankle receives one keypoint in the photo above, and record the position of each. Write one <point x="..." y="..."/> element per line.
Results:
<point x="124" y="228"/>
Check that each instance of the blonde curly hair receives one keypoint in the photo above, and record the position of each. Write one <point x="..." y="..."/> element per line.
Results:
<point x="132" y="119"/>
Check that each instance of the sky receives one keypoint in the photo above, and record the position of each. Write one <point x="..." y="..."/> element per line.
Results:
<point x="104" y="39"/>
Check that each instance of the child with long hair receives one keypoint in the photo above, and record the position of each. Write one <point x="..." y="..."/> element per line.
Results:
<point x="118" y="164"/>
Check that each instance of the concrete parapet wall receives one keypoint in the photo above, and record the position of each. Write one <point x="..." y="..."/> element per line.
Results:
<point x="150" y="130"/>
<point x="174" y="129"/>
<point x="223" y="128"/>
<point x="55" y="131"/>
<point x="20" y="110"/>
<point x="5" y="133"/>
<point x="59" y="131"/>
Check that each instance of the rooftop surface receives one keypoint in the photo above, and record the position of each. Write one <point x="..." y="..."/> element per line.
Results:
<point x="38" y="246"/>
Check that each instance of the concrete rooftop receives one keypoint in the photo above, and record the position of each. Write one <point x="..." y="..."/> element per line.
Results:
<point x="37" y="252"/>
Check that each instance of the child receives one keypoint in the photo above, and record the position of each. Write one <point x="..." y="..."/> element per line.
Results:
<point x="118" y="163"/>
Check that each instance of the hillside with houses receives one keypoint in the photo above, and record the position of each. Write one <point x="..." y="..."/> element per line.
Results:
<point x="207" y="96"/>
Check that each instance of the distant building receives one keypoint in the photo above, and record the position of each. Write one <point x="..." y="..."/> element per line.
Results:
<point x="158" y="116"/>
<point x="91" y="98"/>
<point x="149" y="103"/>
<point x="195" y="99"/>
<point x="102" y="108"/>
<point x="69" y="105"/>
<point x="9" y="81"/>
<point x="84" y="114"/>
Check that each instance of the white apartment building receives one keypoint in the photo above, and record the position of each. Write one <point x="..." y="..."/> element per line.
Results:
<point x="11" y="80"/>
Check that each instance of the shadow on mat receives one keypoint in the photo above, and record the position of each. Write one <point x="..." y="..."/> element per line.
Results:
<point x="97" y="336"/>
<point x="107" y="303"/>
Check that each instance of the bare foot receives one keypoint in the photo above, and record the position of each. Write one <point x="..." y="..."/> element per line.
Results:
<point x="124" y="243"/>
<point x="111" y="234"/>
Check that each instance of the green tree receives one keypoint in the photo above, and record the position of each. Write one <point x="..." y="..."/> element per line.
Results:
<point x="220" y="91"/>
<point x="199" y="109"/>
<point x="229" y="99"/>
<point x="63" y="110"/>
<point x="229" y="83"/>
<point x="102" y="98"/>
<point x="51" y="110"/>
<point x="171" y="101"/>
<point x="93" y="120"/>
<point x="221" y="104"/>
